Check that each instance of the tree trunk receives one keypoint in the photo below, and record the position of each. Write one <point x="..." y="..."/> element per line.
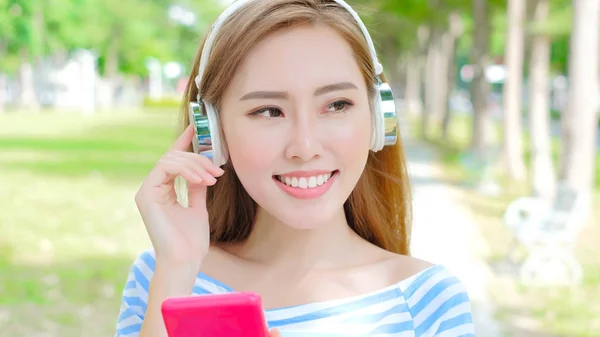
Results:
<point x="38" y="31"/>
<point x="542" y="170"/>
<point x="480" y="88"/>
<point x="513" y="134"/>
<point x="111" y="70"/>
<point x="412" y="87"/>
<point x="3" y="81"/>
<point x="399" y="71"/>
<point x="392" y="60"/>
<point x="580" y="123"/>
<point x="454" y="32"/>
<point x="2" y="92"/>
<point x="27" y="98"/>
<point x="433" y="86"/>
<point x="437" y="91"/>
<point x="423" y="36"/>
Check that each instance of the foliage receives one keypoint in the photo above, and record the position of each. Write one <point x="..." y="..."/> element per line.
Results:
<point x="129" y="31"/>
<point x="397" y="24"/>
<point x="559" y="20"/>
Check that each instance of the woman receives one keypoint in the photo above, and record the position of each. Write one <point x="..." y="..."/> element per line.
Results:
<point x="302" y="210"/>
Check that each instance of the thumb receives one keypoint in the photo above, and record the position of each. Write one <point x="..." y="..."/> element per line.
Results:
<point x="275" y="333"/>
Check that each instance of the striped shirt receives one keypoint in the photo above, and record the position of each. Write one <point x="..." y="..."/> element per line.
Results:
<point x="431" y="303"/>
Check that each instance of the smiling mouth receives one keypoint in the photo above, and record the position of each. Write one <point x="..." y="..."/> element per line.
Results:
<point x="306" y="182"/>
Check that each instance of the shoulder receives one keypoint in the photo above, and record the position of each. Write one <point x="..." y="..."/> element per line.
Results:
<point x="135" y="294"/>
<point x="146" y="257"/>
<point x="437" y="300"/>
<point x="404" y="267"/>
<point x="393" y="268"/>
<point x="144" y="265"/>
<point x="141" y="271"/>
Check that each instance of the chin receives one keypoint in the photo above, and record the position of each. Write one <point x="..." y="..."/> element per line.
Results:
<point x="309" y="214"/>
<point x="306" y="219"/>
<point x="304" y="214"/>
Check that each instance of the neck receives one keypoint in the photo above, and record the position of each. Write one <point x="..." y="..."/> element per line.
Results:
<point x="276" y="244"/>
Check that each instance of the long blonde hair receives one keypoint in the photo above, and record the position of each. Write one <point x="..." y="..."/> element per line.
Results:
<point x="379" y="208"/>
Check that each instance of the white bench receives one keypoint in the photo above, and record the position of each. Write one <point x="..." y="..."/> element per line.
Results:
<point x="548" y="230"/>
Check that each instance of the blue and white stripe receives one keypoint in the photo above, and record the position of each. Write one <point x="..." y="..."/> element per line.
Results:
<point x="431" y="303"/>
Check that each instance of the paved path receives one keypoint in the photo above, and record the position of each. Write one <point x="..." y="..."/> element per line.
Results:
<point x="444" y="232"/>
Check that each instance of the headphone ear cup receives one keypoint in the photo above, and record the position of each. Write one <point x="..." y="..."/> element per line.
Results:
<point x="377" y="131"/>
<point x="200" y="125"/>
<point x="219" y="153"/>
<point x="203" y="118"/>
<point x="387" y="116"/>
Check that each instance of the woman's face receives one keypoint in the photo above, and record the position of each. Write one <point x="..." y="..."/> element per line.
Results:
<point x="297" y="123"/>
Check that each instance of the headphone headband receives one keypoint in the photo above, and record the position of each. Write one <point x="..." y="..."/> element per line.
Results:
<point x="234" y="7"/>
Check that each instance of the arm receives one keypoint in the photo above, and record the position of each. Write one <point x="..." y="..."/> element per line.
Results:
<point x="149" y="283"/>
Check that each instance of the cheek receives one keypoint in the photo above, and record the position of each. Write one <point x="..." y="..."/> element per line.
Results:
<point x="248" y="151"/>
<point x="354" y="150"/>
<point x="353" y="143"/>
<point x="353" y="135"/>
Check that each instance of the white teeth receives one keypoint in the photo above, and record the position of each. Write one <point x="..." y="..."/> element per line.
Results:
<point x="305" y="182"/>
<point x="302" y="183"/>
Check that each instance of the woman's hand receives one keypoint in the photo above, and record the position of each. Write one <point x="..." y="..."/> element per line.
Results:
<point x="180" y="235"/>
<point x="275" y="333"/>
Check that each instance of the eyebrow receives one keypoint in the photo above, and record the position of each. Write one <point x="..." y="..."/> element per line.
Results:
<point x="283" y="95"/>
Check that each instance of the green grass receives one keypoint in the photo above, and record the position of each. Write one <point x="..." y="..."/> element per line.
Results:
<point x="69" y="226"/>
<point x="556" y="311"/>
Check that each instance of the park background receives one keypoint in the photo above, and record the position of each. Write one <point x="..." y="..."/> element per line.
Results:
<point x="497" y="100"/>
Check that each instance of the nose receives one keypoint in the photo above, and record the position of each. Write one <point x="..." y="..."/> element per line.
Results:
<point x="304" y="141"/>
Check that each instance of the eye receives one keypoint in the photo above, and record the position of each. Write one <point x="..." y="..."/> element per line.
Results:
<point x="339" y="106"/>
<point x="267" y="112"/>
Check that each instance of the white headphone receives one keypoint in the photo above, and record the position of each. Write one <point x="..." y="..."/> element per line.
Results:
<point x="205" y="118"/>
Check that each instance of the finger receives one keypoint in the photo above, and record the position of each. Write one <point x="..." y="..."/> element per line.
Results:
<point x="195" y="166"/>
<point x="200" y="163"/>
<point x="204" y="162"/>
<point x="167" y="169"/>
<point x="275" y="333"/>
<point x="184" y="140"/>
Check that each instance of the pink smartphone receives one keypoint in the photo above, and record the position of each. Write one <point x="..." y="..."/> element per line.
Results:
<point x="219" y="315"/>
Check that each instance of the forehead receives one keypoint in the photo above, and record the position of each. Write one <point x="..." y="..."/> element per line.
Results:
<point x="301" y="56"/>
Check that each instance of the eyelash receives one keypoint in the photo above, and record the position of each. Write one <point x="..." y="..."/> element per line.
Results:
<point x="261" y="110"/>
<point x="347" y="104"/>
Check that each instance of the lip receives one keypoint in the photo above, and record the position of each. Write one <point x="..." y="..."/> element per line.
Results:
<point x="299" y="174"/>
<point x="307" y="193"/>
